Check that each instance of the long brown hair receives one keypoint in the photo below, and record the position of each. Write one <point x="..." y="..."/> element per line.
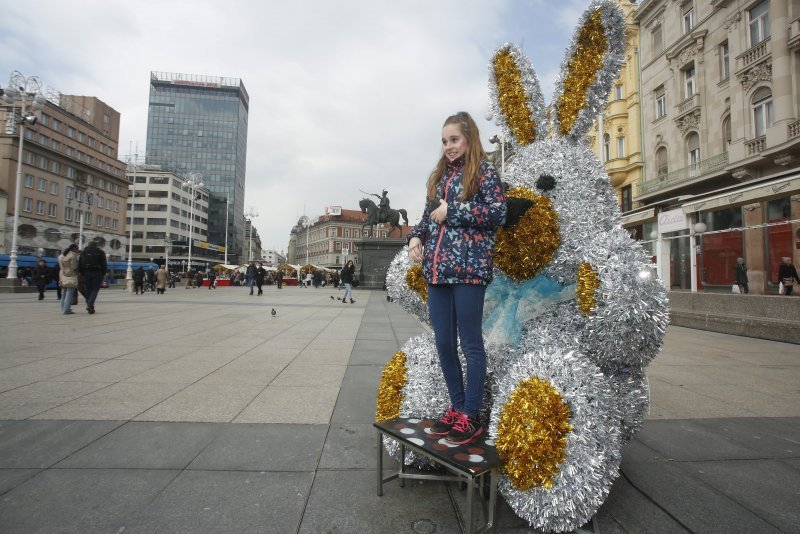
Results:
<point x="472" y="159"/>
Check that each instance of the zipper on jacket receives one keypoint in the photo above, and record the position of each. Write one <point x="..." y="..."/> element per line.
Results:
<point x="441" y="232"/>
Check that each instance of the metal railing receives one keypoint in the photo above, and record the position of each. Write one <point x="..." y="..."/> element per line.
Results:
<point x="706" y="166"/>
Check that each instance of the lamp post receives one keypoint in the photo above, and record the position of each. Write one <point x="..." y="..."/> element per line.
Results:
<point x="193" y="181"/>
<point x="227" y="209"/>
<point x="129" y="272"/>
<point x="251" y="213"/>
<point x="167" y="244"/>
<point x="25" y="90"/>
<point x="305" y="223"/>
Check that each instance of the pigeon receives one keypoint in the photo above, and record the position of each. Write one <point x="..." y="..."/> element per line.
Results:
<point x="273" y="312"/>
<point x="331" y="297"/>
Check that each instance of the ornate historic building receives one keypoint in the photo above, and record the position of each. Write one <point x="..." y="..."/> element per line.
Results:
<point x="720" y="108"/>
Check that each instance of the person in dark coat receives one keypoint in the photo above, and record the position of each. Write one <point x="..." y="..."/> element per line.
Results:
<point x="138" y="280"/>
<point x="151" y="279"/>
<point x="279" y="279"/>
<point x="740" y="275"/>
<point x="787" y="275"/>
<point x="212" y="280"/>
<point x="347" y="275"/>
<point x="41" y="277"/>
<point x="260" y="275"/>
<point x="92" y="266"/>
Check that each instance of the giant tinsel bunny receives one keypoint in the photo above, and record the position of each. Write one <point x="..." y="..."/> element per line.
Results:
<point x="573" y="315"/>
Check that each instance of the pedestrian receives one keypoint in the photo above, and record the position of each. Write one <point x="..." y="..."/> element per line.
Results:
<point x="41" y="277"/>
<point x="251" y="275"/>
<point x="347" y="274"/>
<point x="279" y="278"/>
<point x="171" y="280"/>
<point x="55" y="274"/>
<point x="151" y="279"/>
<point x="68" y="277"/>
<point x="138" y="280"/>
<point x="740" y="275"/>
<point x="92" y="265"/>
<point x="161" y="280"/>
<point x="260" y="276"/>
<point x="454" y="240"/>
<point x="787" y="275"/>
<point x="212" y="280"/>
<point x="198" y="280"/>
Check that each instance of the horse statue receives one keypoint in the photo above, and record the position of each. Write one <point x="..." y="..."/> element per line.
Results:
<point x="371" y="209"/>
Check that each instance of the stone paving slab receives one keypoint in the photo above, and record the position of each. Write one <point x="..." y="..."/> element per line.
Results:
<point x="292" y="447"/>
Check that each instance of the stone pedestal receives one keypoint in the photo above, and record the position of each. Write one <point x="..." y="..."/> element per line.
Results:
<point x="13" y="285"/>
<point x="376" y="255"/>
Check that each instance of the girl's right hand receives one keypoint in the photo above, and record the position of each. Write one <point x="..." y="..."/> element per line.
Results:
<point x="415" y="249"/>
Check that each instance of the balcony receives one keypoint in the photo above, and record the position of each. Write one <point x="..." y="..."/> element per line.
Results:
<point x="686" y="174"/>
<point x="688" y="105"/>
<point x="753" y="54"/>
<point x="794" y="129"/>
<point x="755" y="146"/>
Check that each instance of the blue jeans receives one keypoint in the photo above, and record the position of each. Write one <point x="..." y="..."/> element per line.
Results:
<point x="348" y="292"/>
<point x="66" y="299"/>
<point x="457" y="314"/>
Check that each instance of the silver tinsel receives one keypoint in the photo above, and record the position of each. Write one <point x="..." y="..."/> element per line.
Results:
<point x="593" y="445"/>
<point x="398" y="290"/>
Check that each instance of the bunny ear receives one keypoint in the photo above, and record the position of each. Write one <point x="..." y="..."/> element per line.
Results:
<point x="591" y="65"/>
<point x="515" y="95"/>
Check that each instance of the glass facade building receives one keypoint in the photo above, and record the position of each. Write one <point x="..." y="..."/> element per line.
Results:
<point x="198" y="124"/>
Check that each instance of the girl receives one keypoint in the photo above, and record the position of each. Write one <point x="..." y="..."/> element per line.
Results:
<point x="348" y="271"/>
<point x="455" y="242"/>
<point x="68" y="277"/>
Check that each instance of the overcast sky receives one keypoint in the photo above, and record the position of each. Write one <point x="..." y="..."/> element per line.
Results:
<point x="344" y="95"/>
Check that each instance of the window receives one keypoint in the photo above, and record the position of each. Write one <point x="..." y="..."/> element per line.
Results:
<point x="693" y="152"/>
<point x="70" y="132"/>
<point x="662" y="165"/>
<point x="762" y="111"/>
<point x="42" y="184"/>
<point x="55" y="166"/>
<point x="726" y="133"/>
<point x="658" y="40"/>
<point x="759" y="22"/>
<point x="54" y="188"/>
<point x="113" y="224"/>
<point x="606" y="147"/>
<point x="88" y="217"/>
<point x="661" y="102"/>
<point x="620" y="147"/>
<point x="688" y="18"/>
<point x="29" y="181"/>
<point x="44" y="119"/>
<point x="618" y="91"/>
<point x="99" y="221"/>
<point x="52" y="210"/>
<point x="69" y="192"/>
<point x="67" y="213"/>
<point x="688" y="81"/>
<point x="627" y="198"/>
<point x="27" y="204"/>
<point x="724" y="61"/>
<point x="40" y="206"/>
<point x="56" y="125"/>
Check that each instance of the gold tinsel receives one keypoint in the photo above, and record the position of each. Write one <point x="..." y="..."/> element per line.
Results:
<point x="512" y="97"/>
<point x="416" y="282"/>
<point x="587" y="284"/>
<point x="581" y="71"/>
<point x="525" y="248"/>
<point x="390" y="390"/>
<point x="532" y="434"/>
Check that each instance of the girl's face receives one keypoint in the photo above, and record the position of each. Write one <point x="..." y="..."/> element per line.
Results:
<point x="454" y="142"/>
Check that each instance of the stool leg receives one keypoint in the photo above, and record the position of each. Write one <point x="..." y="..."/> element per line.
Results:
<point x="493" y="498"/>
<point x="470" y="486"/>
<point x="402" y="465"/>
<point x="380" y="464"/>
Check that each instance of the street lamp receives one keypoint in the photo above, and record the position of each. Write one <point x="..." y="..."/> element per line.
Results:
<point x="305" y="223"/>
<point x="250" y="214"/>
<point x="131" y="212"/>
<point x="167" y="244"/>
<point x="227" y="209"/>
<point x="193" y="181"/>
<point x="26" y="90"/>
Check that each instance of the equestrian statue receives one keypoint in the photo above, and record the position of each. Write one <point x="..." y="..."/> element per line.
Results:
<point x="381" y="213"/>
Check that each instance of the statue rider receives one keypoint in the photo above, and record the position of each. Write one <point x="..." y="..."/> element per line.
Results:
<point x="383" y="206"/>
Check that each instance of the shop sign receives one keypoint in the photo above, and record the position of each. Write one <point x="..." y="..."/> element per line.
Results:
<point x="672" y="221"/>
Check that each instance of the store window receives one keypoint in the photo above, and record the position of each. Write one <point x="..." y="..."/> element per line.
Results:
<point x="720" y="245"/>
<point x="779" y="235"/>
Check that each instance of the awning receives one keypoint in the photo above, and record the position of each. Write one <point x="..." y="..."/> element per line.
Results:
<point x="746" y="195"/>
<point x="639" y="216"/>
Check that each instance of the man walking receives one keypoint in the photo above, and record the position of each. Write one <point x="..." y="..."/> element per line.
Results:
<point x="251" y="275"/>
<point x="93" y="266"/>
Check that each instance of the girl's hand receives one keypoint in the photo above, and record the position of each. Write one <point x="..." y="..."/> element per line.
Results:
<point x="415" y="249"/>
<point x="439" y="215"/>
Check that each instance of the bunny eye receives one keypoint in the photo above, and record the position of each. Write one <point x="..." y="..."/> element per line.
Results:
<point x="545" y="182"/>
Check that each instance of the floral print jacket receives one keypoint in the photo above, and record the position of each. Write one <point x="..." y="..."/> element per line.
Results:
<point x="461" y="250"/>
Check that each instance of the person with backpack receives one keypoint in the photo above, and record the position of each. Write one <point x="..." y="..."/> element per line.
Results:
<point x="92" y="265"/>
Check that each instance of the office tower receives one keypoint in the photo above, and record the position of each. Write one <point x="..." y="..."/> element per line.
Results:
<point x="198" y="124"/>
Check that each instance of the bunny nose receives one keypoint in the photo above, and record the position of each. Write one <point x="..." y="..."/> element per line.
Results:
<point x="530" y="238"/>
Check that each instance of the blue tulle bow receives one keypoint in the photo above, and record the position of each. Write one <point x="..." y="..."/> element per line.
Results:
<point x="509" y="305"/>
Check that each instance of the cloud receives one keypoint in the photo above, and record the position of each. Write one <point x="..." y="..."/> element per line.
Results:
<point x="343" y="95"/>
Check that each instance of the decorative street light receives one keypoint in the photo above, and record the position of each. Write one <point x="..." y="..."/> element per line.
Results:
<point x="251" y="213"/>
<point x="193" y="182"/>
<point x="167" y="244"/>
<point x="131" y="213"/>
<point x="227" y="209"/>
<point x="26" y="91"/>
<point x="305" y="222"/>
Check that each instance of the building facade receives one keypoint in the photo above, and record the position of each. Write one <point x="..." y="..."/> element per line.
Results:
<point x="252" y="242"/>
<point x="73" y="187"/>
<point x="617" y="136"/>
<point x="720" y="108"/>
<point x="161" y="219"/>
<point x="199" y="124"/>
<point x="272" y="258"/>
<point x="332" y="239"/>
